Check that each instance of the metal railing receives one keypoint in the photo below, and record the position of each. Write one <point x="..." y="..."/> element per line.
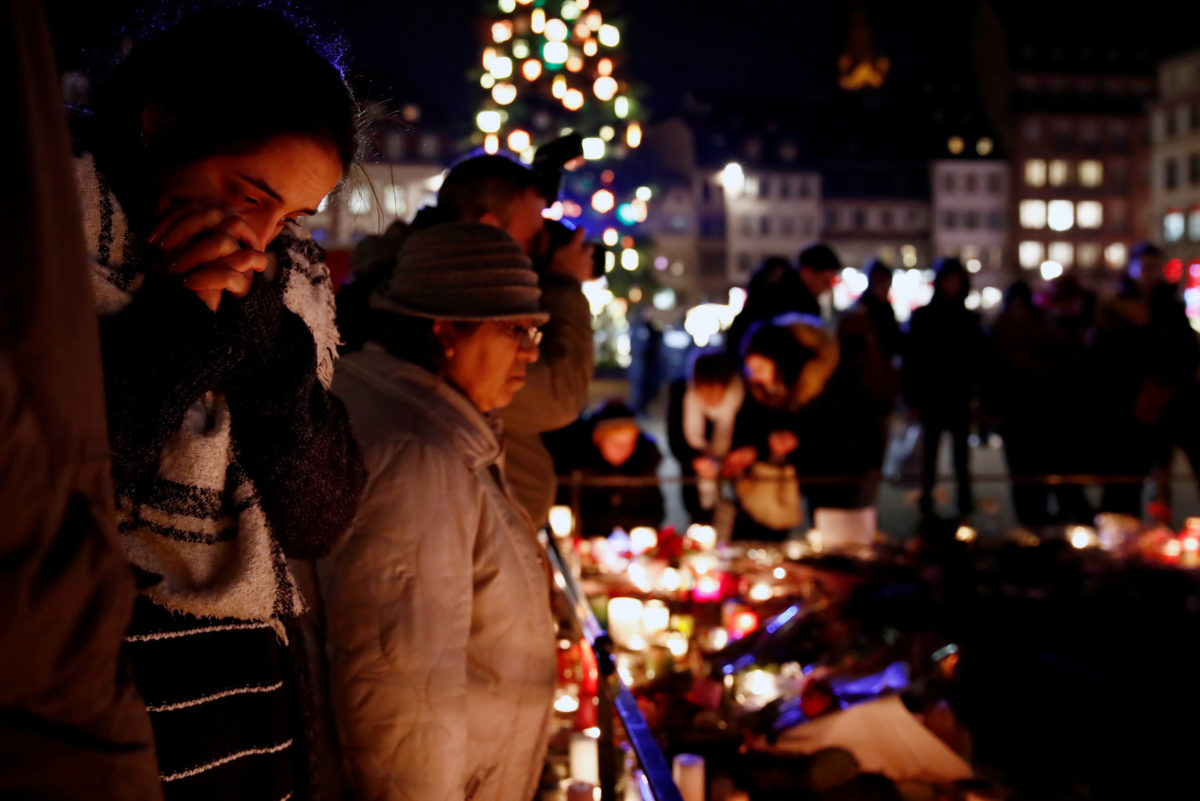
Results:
<point x="655" y="781"/>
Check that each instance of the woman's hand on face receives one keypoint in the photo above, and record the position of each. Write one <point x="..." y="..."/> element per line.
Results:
<point x="211" y="247"/>
<point x="738" y="460"/>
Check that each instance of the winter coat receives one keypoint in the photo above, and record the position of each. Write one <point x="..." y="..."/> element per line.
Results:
<point x="942" y="354"/>
<point x="71" y="725"/>
<point x="555" y="391"/>
<point x="440" y="635"/>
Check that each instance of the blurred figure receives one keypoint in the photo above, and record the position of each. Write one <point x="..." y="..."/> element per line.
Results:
<point x="72" y="726"/>
<point x="1147" y="355"/>
<point x="438" y="604"/>
<point x="609" y="444"/>
<point x="788" y="361"/>
<point x="942" y="354"/>
<point x="1022" y="393"/>
<point x="877" y="306"/>
<point x="371" y="263"/>
<point x="818" y="266"/>
<point x="774" y="289"/>
<point x="700" y="422"/>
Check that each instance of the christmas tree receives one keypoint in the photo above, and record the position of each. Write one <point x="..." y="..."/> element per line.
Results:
<point x="550" y="67"/>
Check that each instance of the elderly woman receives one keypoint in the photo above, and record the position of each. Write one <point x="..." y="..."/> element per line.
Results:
<point x="230" y="454"/>
<point x="440" y="632"/>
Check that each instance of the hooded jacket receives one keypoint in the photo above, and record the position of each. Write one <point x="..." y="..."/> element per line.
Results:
<point x="440" y="634"/>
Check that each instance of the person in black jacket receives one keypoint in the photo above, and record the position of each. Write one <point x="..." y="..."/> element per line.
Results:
<point x="608" y="444"/>
<point x="942" y="354"/>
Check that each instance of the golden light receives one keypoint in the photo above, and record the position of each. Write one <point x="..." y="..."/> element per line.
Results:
<point x="704" y="536"/>
<point x="760" y="591"/>
<point x="593" y="148"/>
<point x="643" y="193"/>
<point x="627" y="241"/>
<point x="502" y="31"/>
<point x="559" y="87"/>
<point x="621" y="107"/>
<point x="487" y="80"/>
<point x="591" y="47"/>
<point x="955" y="145"/>
<point x="635" y="295"/>
<point x="489" y="53"/>
<point x="573" y="100"/>
<point x="1082" y="537"/>
<point x="502" y="67"/>
<point x="518" y="140"/>
<point x="570" y="10"/>
<point x="603" y="202"/>
<point x="566" y="704"/>
<point x="594" y="20"/>
<point x="604" y="66"/>
<point x="607" y="133"/>
<point x="537" y="21"/>
<point x="508" y="6"/>
<point x="582" y="4"/>
<point x="965" y="534"/>
<point x="556" y="30"/>
<point x="610" y="237"/>
<point x="605" y="87"/>
<point x="555" y="212"/>
<point x="491" y="144"/>
<point x="633" y="134"/>
<point x="531" y="69"/>
<point x="488" y="121"/>
<point x="677" y="644"/>
<point x="581" y="30"/>
<point x="504" y="93"/>
<point x="556" y="52"/>
<point x="984" y="146"/>
<point x="629" y="259"/>
<point x="670" y="580"/>
<point x="574" y="63"/>
<point x="609" y="36"/>
<point x="640" y="210"/>
<point x="562" y="519"/>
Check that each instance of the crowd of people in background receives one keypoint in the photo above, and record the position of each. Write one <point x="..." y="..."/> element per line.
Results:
<point x="1082" y="390"/>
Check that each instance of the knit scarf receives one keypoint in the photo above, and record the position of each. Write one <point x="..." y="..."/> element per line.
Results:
<point x="200" y="525"/>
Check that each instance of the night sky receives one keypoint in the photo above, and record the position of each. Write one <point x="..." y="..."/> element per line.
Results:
<point x="422" y="51"/>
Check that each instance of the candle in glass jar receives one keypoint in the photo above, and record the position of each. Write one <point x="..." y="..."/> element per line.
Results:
<point x="624" y="619"/>
<point x="580" y="791"/>
<point x="688" y="772"/>
<point x="656" y="618"/>
<point x="585" y="759"/>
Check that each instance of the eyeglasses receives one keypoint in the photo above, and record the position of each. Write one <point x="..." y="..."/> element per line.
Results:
<point x="528" y="337"/>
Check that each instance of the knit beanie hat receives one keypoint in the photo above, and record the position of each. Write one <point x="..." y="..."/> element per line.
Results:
<point x="462" y="271"/>
<point x="612" y="413"/>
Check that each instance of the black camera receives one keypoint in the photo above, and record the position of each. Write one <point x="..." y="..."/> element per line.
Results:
<point x="549" y="161"/>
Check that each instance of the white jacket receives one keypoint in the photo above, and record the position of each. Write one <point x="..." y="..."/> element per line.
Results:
<point x="440" y="634"/>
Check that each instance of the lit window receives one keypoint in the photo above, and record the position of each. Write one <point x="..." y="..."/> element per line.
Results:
<point x="1091" y="173"/>
<point x="394" y="201"/>
<point x="1089" y="214"/>
<point x="1031" y="254"/>
<point x="1173" y="226"/>
<point x="984" y="146"/>
<point x="1033" y="214"/>
<point x="1061" y="252"/>
<point x="955" y="145"/>
<point x="1060" y="215"/>
<point x="360" y="200"/>
<point x="1194" y="225"/>
<point x="1058" y="172"/>
<point x="1087" y="254"/>
<point x="1116" y="255"/>
<point x="1035" y="172"/>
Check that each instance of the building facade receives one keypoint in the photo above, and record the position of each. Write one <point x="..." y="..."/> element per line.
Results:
<point x="1175" y="159"/>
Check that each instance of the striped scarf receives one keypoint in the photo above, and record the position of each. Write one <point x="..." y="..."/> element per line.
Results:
<point x="199" y="525"/>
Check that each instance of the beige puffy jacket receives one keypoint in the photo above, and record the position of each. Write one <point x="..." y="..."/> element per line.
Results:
<point x="440" y="635"/>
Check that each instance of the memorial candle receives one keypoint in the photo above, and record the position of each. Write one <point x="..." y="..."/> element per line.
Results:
<point x="688" y="772"/>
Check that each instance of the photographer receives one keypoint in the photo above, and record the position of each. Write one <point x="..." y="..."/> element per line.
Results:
<point x="501" y="192"/>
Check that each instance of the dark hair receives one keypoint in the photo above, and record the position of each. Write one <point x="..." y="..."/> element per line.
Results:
<point x="819" y="257"/>
<point x="946" y="267"/>
<point x="412" y="338"/>
<point x="222" y="81"/>
<point x="482" y="184"/>
<point x="711" y="367"/>
<point x="1018" y="292"/>
<point x="779" y="344"/>
<point x="877" y="267"/>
